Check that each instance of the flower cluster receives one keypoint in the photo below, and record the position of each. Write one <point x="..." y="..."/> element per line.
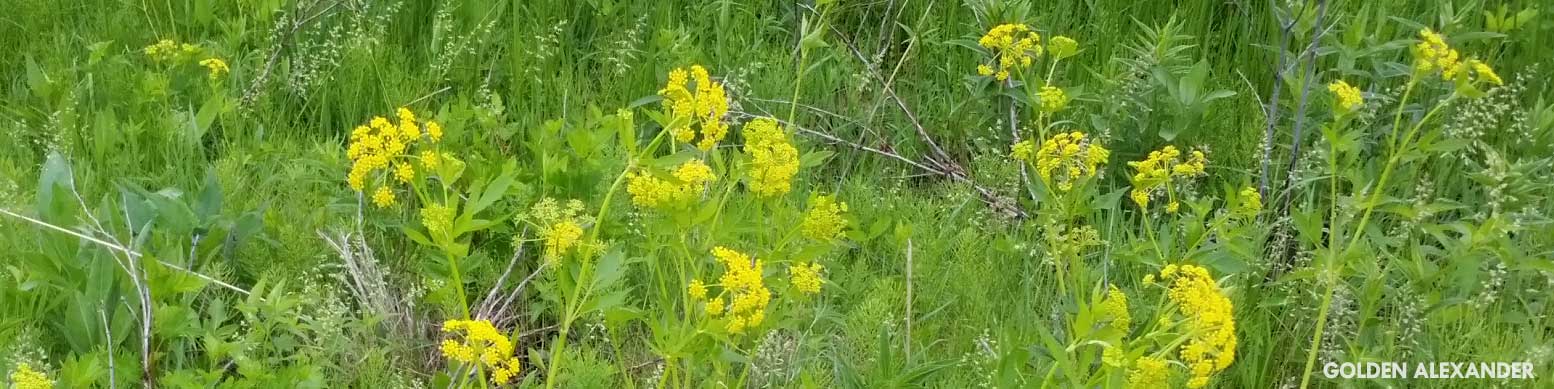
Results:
<point x="1115" y="306"/>
<point x="1149" y="373"/>
<point x="1156" y="173"/>
<point x="704" y="108"/>
<point x="744" y="288"/>
<point x="1071" y="155"/>
<point x="482" y="345"/>
<point x="216" y="66"/>
<point x="1345" y="97"/>
<point x="806" y="277"/>
<point x="1014" y="47"/>
<point x="824" y="221"/>
<point x="1249" y="202"/>
<point x="24" y="377"/>
<point x="383" y="146"/>
<point x="438" y="220"/>
<point x="1052" y="98"/>
<point x="560" y="227"/>
<point x="1208" y="318"/>
<point x="1432" y="53"/>
<point x="167" y="50"/>
<point x="688" y="182"/>
<point x="774" y="161"/>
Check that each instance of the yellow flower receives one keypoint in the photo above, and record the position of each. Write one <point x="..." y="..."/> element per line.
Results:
<point x="1209" y="317"/>
<point x="650" y="191"/>
<point x="1113" y="356"/>
<point x="1070" y="155"/>
<point x="824" y="221"/>
<point x="715" y="307"/>
<point x="1249" y="202"/>
<point x="1115" y="305"/>
<point x="1013" y="47"/>
<point x="403" y="172"/>
<point x="430" y="160"/>
<point x="742" y="282"/>
<point x="24" y="377"/>
<point x="1484" y="72"/>
<point x="1345" y="97"/>
<point x="383" y="197"/>
<point x="1024" y="150"/>
<point x="702" y="109"/>
<point x="1052" y="98"/>
<point x="216" y="66"/>
<point x="1432" y="54"/>
<point x="1162" y="168"/>
<point x="1063" y="47"/>
<point x="434" y="131"/>
<point x="478" y="342"/>
<point x="805" y="278"/>
<point x="697" y="290"/>
<point x="438" y="219"/>
<point x="167" y="50"/>
<point x="1149" y="373"/>
<point x="774" y="161"/>
<point x="561" y="237"/>
<point x="1172" y="207"/>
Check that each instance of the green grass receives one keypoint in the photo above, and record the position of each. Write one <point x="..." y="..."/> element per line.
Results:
<point x="520" y="80"/>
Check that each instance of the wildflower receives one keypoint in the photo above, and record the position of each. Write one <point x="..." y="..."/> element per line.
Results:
<point x="383" y="147"/>
<point x="687" y="183"/>
<point x="1115" y="305"/>
<point x="1345" y="97"/>
<point x="479" y="343"/>
<point x="774" y="160"/>
<point x="1062" y="47"/>
<point x="1161" y="169"/>
<point x="1014" y="46"/>
<point x="1210" y="322"/>
<point x="704" y="108"/>
<point x="824" y="221"/>
<point x="1052" y="98"/>
<point x="216" y="66"/>
<point x="1023" y="150"/>
<point x="1173" y="206"/>
<point x="697" y="290"/>
<point x="1113" y="356"/>
<point x="167" y="50"/>
<point x="561" y="237"/>
<point x="434" y="131"/>
<point x="1484" y="72"/>
<point x="438" y="219"/>
<point x="1070" y="155"/>
<point x="1249" y="202"/>
<point x="741" y="281"/>
<point x="1433" y="54"/>
<point x="806" y="278"/>
<point x="560" y="227"/>
<point x="1149" y="373"/>
<point x="24" y="377"/>
<point x="715" y="307"/>
<point x="383" y="197"/>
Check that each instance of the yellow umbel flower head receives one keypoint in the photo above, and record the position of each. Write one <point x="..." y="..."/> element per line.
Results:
<point x="381" y="149"/>
<point x="824" y="221"/>
<point x="805" y="277"/>
<point x="1063" y="47"/>
<point x="1162" y="168"/>
<point x="1346" y="98"/>
<point x="216" y="67"/>
<point x="686" y="184"/>
<point x="167" y="50"/>
<point x="1208" y="320"/>
<point x="1249" y="202"/>
<point x="697" y="290"/>
<point x="1014" y="48"/>
<point x="774" y="161"/>
<point x="438" y="220"/>
<point x="1052" y="98"/>
<point x="742" y="283"/>
<point x="1115" y="305"/>
<point x="560" y="227"/>
<point x="477" y="342"/>
<point x="701" y="105"/>
<point x="1433" y="54"/>
<point x="24" y="377"/>
<point x="1065" y="158"/>
<point x="1149" y="373"/>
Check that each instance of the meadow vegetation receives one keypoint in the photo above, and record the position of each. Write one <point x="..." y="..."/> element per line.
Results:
<point x="816" y="194"/>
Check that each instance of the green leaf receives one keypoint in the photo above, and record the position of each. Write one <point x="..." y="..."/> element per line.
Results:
<point x="55" y="174"/>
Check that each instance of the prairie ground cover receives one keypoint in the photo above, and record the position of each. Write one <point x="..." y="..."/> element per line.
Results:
<point x="814" y="194"/>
